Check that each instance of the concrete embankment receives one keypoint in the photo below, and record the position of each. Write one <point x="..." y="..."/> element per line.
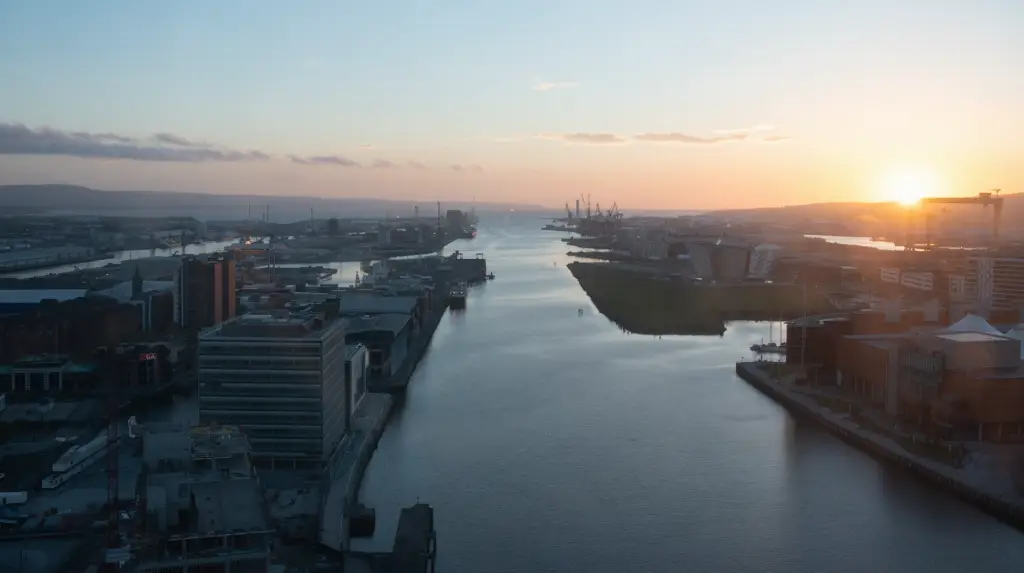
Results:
<point x="989" y="492"/>
<point x="346" y="475"/>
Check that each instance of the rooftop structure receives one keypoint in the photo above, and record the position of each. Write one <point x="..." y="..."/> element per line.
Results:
<point x="358" y="302"/>
<point x="389" y="322"/>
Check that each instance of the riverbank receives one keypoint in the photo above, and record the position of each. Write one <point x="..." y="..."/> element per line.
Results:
<point x="976" y="484"/>
<point x="368" y="425"/>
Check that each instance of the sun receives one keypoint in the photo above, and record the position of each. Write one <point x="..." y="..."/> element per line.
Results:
<point x="908" y="186"/>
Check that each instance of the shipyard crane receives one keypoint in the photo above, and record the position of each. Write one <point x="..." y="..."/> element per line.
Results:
<point x="984" y="199"/>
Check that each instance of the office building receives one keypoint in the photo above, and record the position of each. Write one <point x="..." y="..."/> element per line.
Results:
<point x="280" y="376"/>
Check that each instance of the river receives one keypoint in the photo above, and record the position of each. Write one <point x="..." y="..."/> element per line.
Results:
<point x="548" y="441"/>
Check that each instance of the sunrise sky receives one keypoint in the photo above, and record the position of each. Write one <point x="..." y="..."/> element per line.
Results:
<point x="653" y="104"/>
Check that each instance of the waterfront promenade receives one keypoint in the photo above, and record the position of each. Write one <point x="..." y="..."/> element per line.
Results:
<point x="979" y="482"/>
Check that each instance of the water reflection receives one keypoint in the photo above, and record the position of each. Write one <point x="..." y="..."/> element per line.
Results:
<point x="548" y="441"/>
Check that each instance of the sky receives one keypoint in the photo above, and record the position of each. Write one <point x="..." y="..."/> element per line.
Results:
<point x="670" y="104"/>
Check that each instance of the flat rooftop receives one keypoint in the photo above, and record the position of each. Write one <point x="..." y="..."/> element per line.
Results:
<point x="273" y="324"/>
<point x="196" y="443"/>
<point x="229" y="505"/>
<point x="369" y="302"/>
<point x="970" y="337"/>
<point x="35" y="296"/>
<point x="389" y="322"/>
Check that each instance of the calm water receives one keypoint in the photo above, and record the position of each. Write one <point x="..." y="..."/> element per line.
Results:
<point x="550" y="442"/>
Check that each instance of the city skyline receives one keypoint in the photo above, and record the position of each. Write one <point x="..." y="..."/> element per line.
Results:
<point x="658" y="106"/>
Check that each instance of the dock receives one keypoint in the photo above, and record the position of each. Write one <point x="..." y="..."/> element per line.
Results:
<point x="415" y="546"/>
<point x="1004" y="503"/>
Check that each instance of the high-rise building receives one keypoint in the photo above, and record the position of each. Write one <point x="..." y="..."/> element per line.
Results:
<point x="280" y="376"/>
<point x="204" y="293"/>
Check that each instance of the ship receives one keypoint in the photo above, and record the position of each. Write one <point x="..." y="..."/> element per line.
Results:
<point x="457" y="296"/>
<point x="75" y="460"/>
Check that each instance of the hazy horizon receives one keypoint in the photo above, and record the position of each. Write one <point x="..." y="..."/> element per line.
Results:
<point x="653" y="105"/>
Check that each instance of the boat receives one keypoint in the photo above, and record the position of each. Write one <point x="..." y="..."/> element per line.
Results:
<point x="75" y="460"/>
<point x="457" y="296"/>
<point x="490" y="276"/>
<point x="768" y="348"/>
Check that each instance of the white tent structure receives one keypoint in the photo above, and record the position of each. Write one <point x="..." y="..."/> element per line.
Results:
<point x="973" y="323"/>
<point x="1018" y="333"/>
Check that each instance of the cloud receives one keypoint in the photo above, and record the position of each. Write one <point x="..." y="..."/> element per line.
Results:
<point x="676" y="137"/>
<point x="171" y="139"/>
<point x="548" y="86"/>
<point x="17" y="139"/>
<point x="382" y="164"/>
<point x="595" y="138"/>
<point x="775" y="138"/>
<point x="416" y="165"/>
<point x="324" y="160"/>
<point x="366" y="146"/>
<point x="476" y="169"/>
<point x="456" y="167"/>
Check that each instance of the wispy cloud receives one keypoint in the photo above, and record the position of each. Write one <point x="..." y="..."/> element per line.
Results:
<point x="542" y="86"/>
<point x="18" y="139"/>
<point x="367" y="146"/>
<point x="382" y="164"/>
<point x="605" y="138"/>
<point x="338" y="160"/>
<point x="456" y="167"/>
<point x="592" y="138"/>
<point x="476" y="169"/>
<point x="171" y="139"/>
<point x="761" y="127"/>
<point x="775" y="138"/>
<point x="416" y="165"/>
<point x="676" y="137"/>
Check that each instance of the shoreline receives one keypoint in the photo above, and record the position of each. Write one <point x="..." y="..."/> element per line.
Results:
<point x="983" y="496"/>
<point x="380" y="401"/>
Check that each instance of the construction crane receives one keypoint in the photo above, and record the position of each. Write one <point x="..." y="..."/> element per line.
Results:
<point x="984" y="199"/>
<point x="113" y="544"/>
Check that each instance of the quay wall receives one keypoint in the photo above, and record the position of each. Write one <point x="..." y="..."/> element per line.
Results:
<point x="1008" y="511"/>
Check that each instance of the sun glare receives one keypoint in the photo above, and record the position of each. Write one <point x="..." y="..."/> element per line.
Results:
<point x="908" y="186"/>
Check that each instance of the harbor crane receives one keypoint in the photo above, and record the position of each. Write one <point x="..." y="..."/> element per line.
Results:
<point x="984" y="199"/>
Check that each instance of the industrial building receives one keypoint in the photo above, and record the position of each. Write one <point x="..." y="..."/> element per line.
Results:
<point x="280" y="376"/>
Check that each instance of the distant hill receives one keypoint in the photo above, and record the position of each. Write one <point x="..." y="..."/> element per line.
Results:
<point x="884" y="219"/>
<point x="76" y="200"/>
